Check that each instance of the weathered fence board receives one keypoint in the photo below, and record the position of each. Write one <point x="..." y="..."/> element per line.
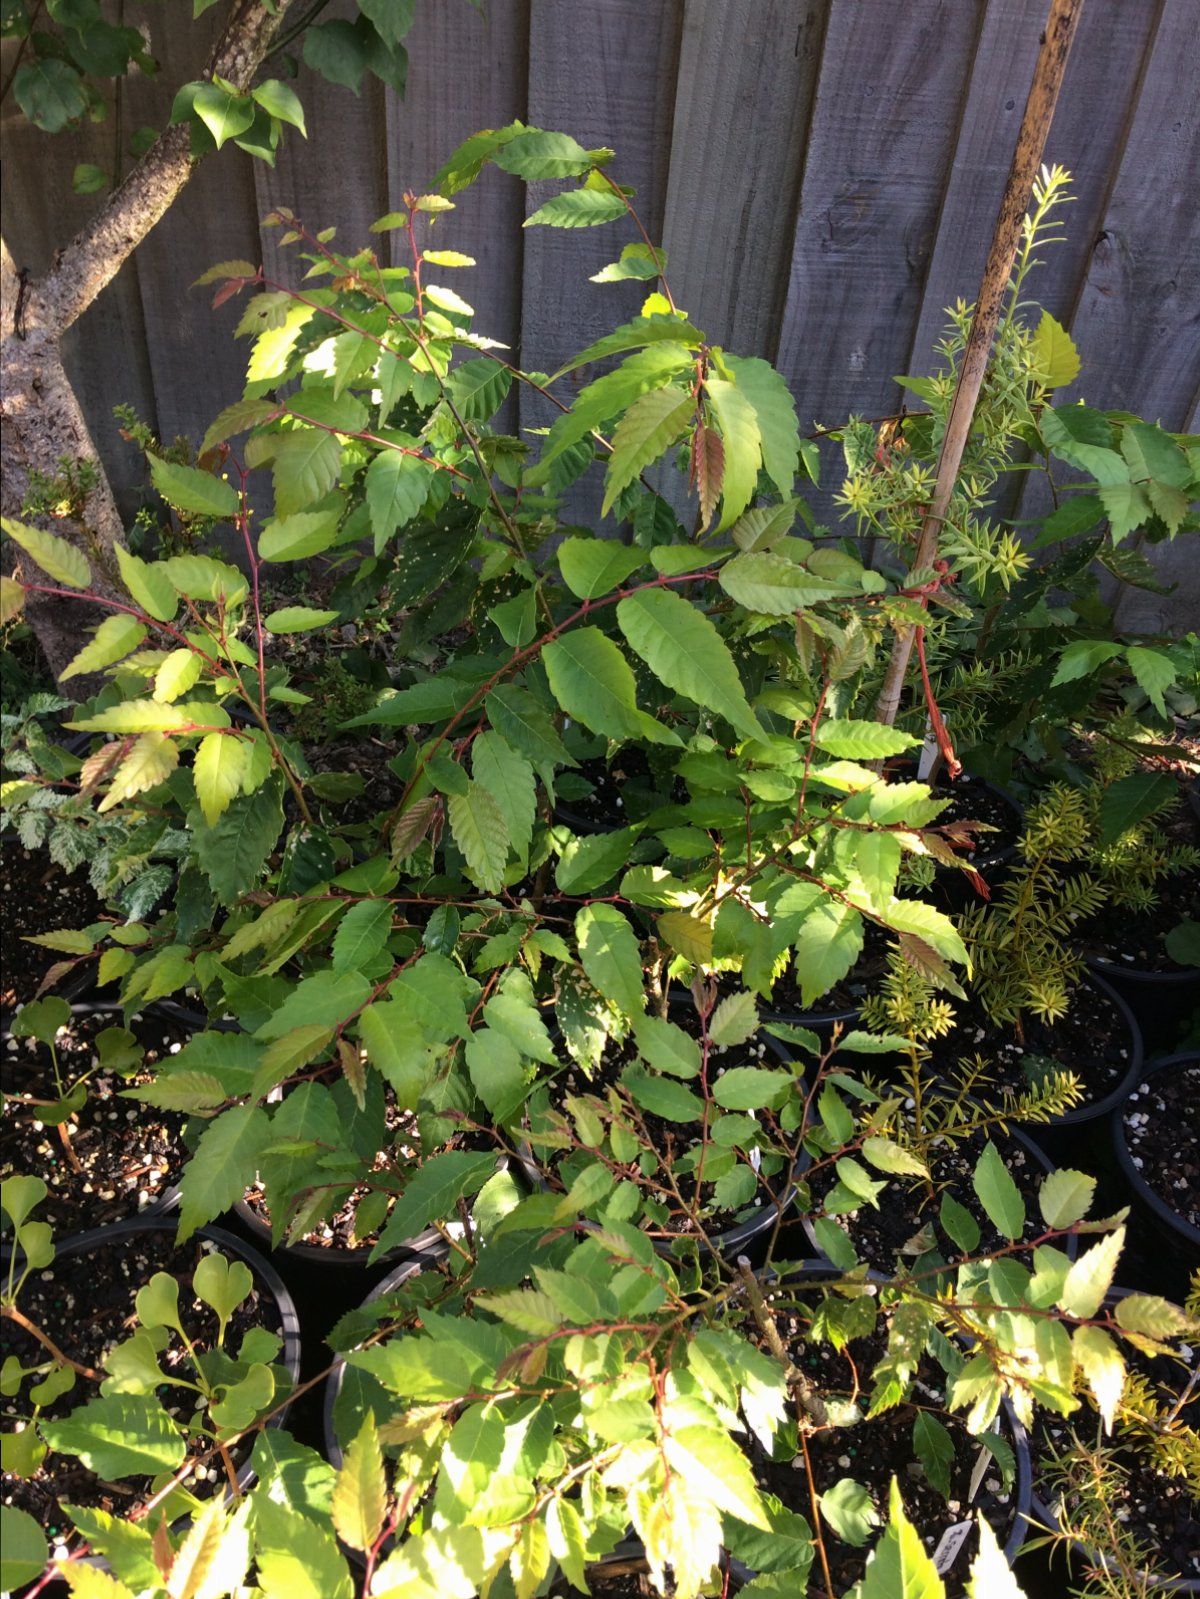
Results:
<point x="824" y="174"/>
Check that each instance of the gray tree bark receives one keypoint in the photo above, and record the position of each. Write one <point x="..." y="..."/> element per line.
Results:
<point x="41" y="417"/>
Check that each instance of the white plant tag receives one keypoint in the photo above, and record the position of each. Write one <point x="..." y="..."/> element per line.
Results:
<point x="929" y="753"/>
<point x="980" y="1472"/>
<point x="949" y="1546"/>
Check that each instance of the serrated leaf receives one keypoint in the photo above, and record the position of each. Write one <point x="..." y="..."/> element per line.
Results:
<point x="361" y="934"/>
<point x="714" y="1468"/>
<point x="742" y="443"/>
<point x="861" y="741"/>
<point x="651" y="425"/>
<point x="480" y="831"/>
<point x="150" y="761"/>
<point x="188" y="488"/>
<point x="1065" y="1196"/>
<point x="223" y="1166"/>
<point x="297" y="619"/>
<point x="58" y="559"/>
<point x="1090" y="1277"/>
<point x="688" y="935"/>
<point x="775" y="413"/>
<point x="771" y="584"/>
<point x="592" y="567"/>
<point x="291" y="538"/>
<point x="534" y="154"/>
<point x="594" y="684"/>
<point x="119" y="1435"/>
<point x="1054" y="354"/>
<point x="608" y="949"/>
<point x="578" y="208"/>
<point x="360" y="1490"/>
<point x="899" y="1566"/>
<point x="115" y="638"/>
<point x="734" y="1020"/>
<point x="850" y="1511"/>
<point x="218" y="770"/>
<point x="635" y="335"/>
<point x="397" y="486"/>
<point x="177" y="674"/>
<point x="1099" y="1359"/>
<point x="508" y="778"/>
<point x="682" y="647"/>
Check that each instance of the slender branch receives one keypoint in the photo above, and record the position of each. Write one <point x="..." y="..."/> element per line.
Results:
<point x="1035" y="126"/>
<point x="11" y="1313"/>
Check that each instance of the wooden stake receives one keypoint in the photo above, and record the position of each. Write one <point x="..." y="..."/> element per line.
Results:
<point x="1027" y="158"/>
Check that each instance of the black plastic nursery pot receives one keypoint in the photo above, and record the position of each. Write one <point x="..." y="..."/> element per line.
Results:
<point x="1044" y="1514"/>
<point x="1163" y="1002"/>
<point x="336" y="1380"/>
<point x="267" y="1282"/>
<point x="1178" y="1234"/>
<point x="104" y="1122"/>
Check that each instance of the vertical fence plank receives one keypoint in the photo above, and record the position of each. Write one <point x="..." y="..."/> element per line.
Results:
<point x="466" y="72"/>
<point x="869" y="204"/>
<point x="747" y="76"/>
<point x="604" y="74"/>
<point x="337" y="177"/>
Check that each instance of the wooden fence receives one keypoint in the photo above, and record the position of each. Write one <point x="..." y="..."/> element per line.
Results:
<point x="824" y="174"/>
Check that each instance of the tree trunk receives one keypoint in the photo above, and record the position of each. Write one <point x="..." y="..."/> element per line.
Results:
<point x="42" y="419"/>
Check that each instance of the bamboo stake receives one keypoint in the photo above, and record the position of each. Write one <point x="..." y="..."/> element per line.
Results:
<point x="1048" y="75"/>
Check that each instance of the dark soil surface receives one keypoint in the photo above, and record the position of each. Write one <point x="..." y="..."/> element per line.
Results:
<point x="672" y="1141"/>
<point x="1134" y="939"/>
<point x="1162" y="1131"/>
<point x="128" y="1154"/>
<point x="859" y="983"/>
<point x="1091" y="1040"/>
<point x="1163" y="1512"/>
<point x="873" y="1451"/>
<point x="906" y="1209"/>
<point x="973" y="801"/>
<point x="87" y="1303"/>
<point x="36" y="896"/>
<point x="622" y="791"/>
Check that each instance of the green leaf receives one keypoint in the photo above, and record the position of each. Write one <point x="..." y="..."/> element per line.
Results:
<point x="594" y="684"/>
<point x="775" y="412"/>
<point x="714" y="1469"/>
<point x="959" y="1223"/>
<point x="25" y="1550"/>
<point x="297" y="1558"/>
<point x="508" y="778"/>
<point x="738" y="421"/>
<point x="608" y="948"/>
<point x="525" y="724"/>
<point x="199" y="577"/>
<point x="635" y="335"/>
<point x="223" y="1166"/>
<point x="899" y="1566"/>
<point x="638" y="262"/>
<point x="58" y="559"/>
<point x="534" y="155"/>
<point x="588" y="862"/>
<point x="1090" y="1277"/>
<point x="338" y="52"/>
<point x="280" y="102"/>
<point x="480" y="831"/>
<point x="290" y="538"/>
<point x="121" y="1435"/>
<point x="233" y="853"/>
<point x="861" y="741"/>
<point x="223" y="112"/>
<point x="651" y="425"/>
<point x="682" y="647"/>
<point x="305" y="467"/>
<point x="397" y="486"/>
<point x="663" y="1096"/>
<point x="297" y="619"/>
<point x="478" y="388"/>
<point x="360" y="1492"/>
<point x="496" y="1071"/>
<point x="1082" y="658"/>
<point x="929" y="924"/>
<point x="89" y="179"/>
<point x="50" y="92"/>
<point x="592" y="567"/>
<point x="886" y="1155"/>
<point x="667" y="1047"/>
<point x="828" y="943"/>
<point x="1182" y="943"/>
<point x="1079" y="514"/>
<point x="849" y="1510"/>
<point x="218" y="770"/>
<point x="1154" y="671"/>
<point x="325" y="998"/>
<point x="187" y="488"/>
<point x="998" y="1193"/>
<point x="771" y="584"/>
<point x="115" y="638"/>
<point x="1130" y="800"/>
<point x="361" y="935"/>
<point x="433" y="1194"/>
<point x="1127" y="506"/>
<point x="752" y="1087"/>
<point x="578" y="208"/>
<point x="735" y="1020"/>
<point x="1054" y="354"/>
<point x="690" y="936"/>
<point x="934" y="1448"/>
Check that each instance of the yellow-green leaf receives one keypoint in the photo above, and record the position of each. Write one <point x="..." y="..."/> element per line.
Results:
<point x="176" y="675"/>
<point x="150" y="762"/>
<point x="360" y="1492"/>
<point x="148" y="584"/>
<point x="58" y="559"/>
<point x="117" y="636"/>
<point x="1054" y="353"/>
<point x="218" y="771"/>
